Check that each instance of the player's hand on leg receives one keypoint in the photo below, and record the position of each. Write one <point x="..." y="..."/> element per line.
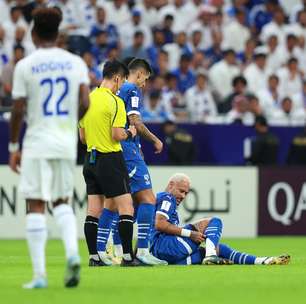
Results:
<point x="158" y="145"/>
<point x="197" y="236"/>
<point x="133" y="130"/>
<point x="14" y="161"/>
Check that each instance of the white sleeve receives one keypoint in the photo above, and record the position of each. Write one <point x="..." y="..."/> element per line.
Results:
<point x="19" y="82"/>
<point x="84" y="77"/>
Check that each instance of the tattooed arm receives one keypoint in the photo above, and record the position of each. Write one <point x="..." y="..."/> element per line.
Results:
<point x="145" y="133"/>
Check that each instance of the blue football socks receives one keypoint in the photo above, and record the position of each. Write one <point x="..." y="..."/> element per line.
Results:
<point x="105" y="223"/>
<point x="235" y="256"/>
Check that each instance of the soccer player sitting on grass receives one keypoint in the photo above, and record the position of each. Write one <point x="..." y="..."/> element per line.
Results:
<point x="181" y="246"/>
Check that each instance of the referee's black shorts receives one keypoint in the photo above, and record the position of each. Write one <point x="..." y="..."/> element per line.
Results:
<point x="108" y="176"/>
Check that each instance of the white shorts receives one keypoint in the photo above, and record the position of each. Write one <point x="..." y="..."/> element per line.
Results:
<point x="46" y="179"/>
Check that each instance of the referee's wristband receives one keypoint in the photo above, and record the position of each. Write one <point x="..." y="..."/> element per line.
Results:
<point x="186" y="232"/>
<point x="129" y="134"/>
<point x="13" y="147"/>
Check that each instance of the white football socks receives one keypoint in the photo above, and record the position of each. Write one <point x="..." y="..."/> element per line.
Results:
<point x="210" y="248"/>
<point x="36" y="234"/>
<point x="66" y="222"/>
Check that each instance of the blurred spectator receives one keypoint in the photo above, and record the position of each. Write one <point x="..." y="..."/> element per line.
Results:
<point x="154" y="110"/>
<point x="137" y="49"/>
<point x="287" y="115"/>
<point x="262" y="14"/>
<point x="195" y="43"/>
<point x="254" y="106"/>
<point x="20" y="39"/>
<point x="299" y="98"/>
<point x="193" y="7"/>
<point x="4" y="10"/>
<point x="155" y="47"/>
<point x="257" y="73"/>
<point x="246" y="57"/>
<point x="199" y="61"/>
<point x="88" y="11"/>
<point x="222" y="74"/>
<point x="177" y="49"/>
<point x="148" y="11"/>
<point x="290" y="78"/>
<point x="7" y="75"/>
<point x="270" y="97"/>
<point x="297" y="151"/>
<point x="117" y="12"/>
<point x="239" y="84"/>
<point x="296" y="9"/>
<point x="74" y="25"/>
<point x="275" y="27"/>
<point x="214" y="54"/>
<point x="203" y="24"/>
<point x="5" y="51"/>
<point x="101" y="47"/>
<point x="15" y="20"/>
<point x="239" y="114"/>
<point x="179" y="144"/>
<point x="102" y="25"/>
<point x="236" y="33"/>
<point x="173" y="98"/>
<point x="127" y="33"/>
<point x="262" y="149"/>
<point x="95" y="74"/>
<point x="176" y="9"/>
<point x="274" y="59"/>
<point x="162" y="63"/>
<point x="166" y="27"/>
<point x="62" y="41"/>
<point x="199" y="101"/>
<point x="184" y="75"/>
<point x="29" y="6"/>
<point x="290" y="49"/>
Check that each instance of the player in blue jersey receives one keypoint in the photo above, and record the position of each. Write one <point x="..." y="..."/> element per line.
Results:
<point x="140" y="181"/>
<point x="182" y="246"/>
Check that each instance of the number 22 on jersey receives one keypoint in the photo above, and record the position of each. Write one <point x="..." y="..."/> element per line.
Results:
<point x="57" y="89"/>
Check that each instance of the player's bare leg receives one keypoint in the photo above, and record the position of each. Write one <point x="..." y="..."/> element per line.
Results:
<point x="66" y="222"/>
<point x="36" y="235"/>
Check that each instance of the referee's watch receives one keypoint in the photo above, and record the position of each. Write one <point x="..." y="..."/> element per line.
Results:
<point x="13" y="147"/>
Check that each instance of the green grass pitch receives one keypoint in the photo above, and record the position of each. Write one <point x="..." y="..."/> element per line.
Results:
<point x="170" y="284"/>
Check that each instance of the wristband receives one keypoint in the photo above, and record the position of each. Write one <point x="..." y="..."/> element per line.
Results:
<point x="13" y="147"/>
<point x="129" y="134"/>
<point x="185" y="232"/>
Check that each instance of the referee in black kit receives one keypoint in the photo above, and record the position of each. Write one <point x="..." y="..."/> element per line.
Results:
<point x="105" y="173"/>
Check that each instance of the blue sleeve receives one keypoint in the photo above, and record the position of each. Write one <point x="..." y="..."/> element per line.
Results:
<point x="132" y="98"/>
<point x="166" y="206"/>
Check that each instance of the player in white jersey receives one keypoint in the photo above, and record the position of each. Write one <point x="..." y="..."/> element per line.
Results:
<point x="51" y="87"/>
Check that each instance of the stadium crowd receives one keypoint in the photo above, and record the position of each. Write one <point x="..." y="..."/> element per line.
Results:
<point x="214" y="61"/>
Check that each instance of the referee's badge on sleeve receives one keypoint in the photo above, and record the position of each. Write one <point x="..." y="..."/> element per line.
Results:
<point x="135" y="101"/>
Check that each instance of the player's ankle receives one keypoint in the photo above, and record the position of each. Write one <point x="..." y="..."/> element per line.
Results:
<point x="142" y="251"/>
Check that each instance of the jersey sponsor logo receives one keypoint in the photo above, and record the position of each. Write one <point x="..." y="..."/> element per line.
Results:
<point x="135" y="101"/>
<point x="165" y="205"/>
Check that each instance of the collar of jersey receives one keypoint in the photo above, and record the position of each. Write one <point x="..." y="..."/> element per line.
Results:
<point x="106" y="89"/>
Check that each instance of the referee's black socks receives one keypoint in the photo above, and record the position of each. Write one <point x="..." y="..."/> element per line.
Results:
<point x="90" y="231"/>
<point x="125" y="228"/>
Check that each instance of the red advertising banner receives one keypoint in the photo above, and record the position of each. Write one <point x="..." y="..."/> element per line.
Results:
<point x="282" y="201"/>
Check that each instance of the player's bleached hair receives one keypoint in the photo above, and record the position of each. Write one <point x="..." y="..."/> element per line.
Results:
<point x="179" y="177"/>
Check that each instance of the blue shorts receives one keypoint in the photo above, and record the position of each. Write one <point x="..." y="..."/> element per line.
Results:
<point x="139" y="175"/>
<point x="177" y="249"/>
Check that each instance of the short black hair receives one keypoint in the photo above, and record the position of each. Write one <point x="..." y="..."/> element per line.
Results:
<point x="238" y="79"/>
<point x="114" y="67"/>
<point x="127" y="60"/>
<point x="19" y="47"/>
<point x="261" y="120"/>
<point x="139" y="63"/>
<point x="46" y="23"/>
